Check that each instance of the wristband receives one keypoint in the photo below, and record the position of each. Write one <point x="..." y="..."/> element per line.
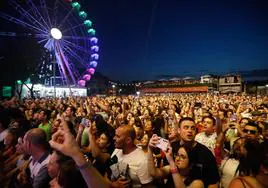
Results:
<point x="87" y="164"/>
<point x="173" y="170"/>
<point x="84" y="166"/>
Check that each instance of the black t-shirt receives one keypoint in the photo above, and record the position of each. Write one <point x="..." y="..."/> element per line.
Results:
<point x="204" y="161"/>
<point x="102" y="168"/>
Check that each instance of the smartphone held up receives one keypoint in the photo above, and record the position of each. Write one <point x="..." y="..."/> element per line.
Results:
<point x="162" y="144"/>
<point x="85" y="122"/>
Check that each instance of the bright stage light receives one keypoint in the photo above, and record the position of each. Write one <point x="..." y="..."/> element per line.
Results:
<point x="56" y="33"/>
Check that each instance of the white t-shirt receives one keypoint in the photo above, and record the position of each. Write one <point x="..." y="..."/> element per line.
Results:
<point x="136" y="162"/>
<point x="208" y="141"/>
<point x="228" y="171"/>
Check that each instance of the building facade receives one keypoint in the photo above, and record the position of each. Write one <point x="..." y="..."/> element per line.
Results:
<point x="204" y="84"/>
<point x="230" y="84"/>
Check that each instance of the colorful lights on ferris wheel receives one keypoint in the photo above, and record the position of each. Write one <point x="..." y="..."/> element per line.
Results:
<point x="87" y="77"/>
<point x="82" y="83"/>
<point x="82" y="14"/>
<point x="59" y="42"/>
<point x="91" y="71"/>
<point x="94" y="41"/>
<point x="95" y="56"/>
<point x="76" y="5"/>
<point x="93" y="64"/>
<point x="88" y="23"/>
<point x="92" y="31"/>
<point x="95" y="48"/>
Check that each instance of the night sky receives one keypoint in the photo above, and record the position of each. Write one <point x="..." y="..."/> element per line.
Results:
<point x="143" y="39"/>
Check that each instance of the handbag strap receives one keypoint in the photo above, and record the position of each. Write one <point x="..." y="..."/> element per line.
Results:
<point x="224" y="166"/>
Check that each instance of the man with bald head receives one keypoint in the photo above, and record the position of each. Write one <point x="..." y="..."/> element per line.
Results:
<point x="36" y="145"/>
<point x="132" y="168"/>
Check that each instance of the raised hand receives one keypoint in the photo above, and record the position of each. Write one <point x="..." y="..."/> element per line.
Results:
<point x="64" y="141"/>
<point x="81" y="128"/>
<point x="153" y="141"/>
<point x="122" y="183"/>
<point x="169" y="154"/>
<point x="91" y="132"/>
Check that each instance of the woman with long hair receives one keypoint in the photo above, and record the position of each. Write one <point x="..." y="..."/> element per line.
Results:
<point x="180" y="172"/>
<point x="253" y="167"/>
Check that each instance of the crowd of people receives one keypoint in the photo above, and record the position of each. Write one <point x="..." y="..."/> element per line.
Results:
<point x="184" y="140"/>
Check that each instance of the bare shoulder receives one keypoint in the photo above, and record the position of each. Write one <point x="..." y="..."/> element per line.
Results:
<point x="235" y="183"/>
<point x="197" y="184"/>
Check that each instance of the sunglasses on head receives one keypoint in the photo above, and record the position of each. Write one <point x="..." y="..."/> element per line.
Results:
<point x="249" y="131"/>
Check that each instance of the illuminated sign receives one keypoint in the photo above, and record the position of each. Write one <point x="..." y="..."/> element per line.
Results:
<point x="7" y="91"/>
<point x="45" y="91"/>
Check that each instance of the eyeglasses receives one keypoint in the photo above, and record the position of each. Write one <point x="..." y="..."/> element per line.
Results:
<point x="180" y="156"/>
<point x="249" y="131"/>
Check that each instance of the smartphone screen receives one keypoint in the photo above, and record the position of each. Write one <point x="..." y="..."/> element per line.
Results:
<point x="233" y="118"/>
<point x="162" y="144"/>
<point x="85" y="122"/>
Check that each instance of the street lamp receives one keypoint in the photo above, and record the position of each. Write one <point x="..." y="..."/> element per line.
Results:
<point x="138" y="93"/>
<point x="114" y="91"/>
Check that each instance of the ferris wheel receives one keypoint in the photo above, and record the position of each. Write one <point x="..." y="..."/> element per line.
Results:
<point x="64" y="29"/>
